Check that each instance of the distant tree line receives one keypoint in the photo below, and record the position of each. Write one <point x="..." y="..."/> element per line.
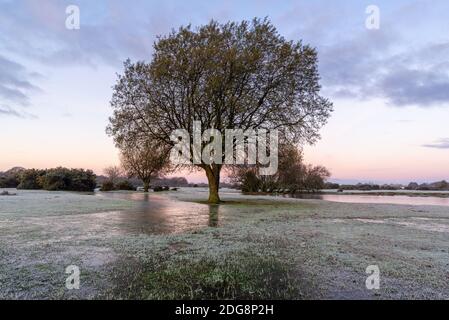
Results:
<point x="56" y="179"/>
<point x="171" y="182"/>
<point x="64" y="179"/>
<point x="117" y="178"/>
<point x="361" y="186"/>
<point x="435" y="186"/>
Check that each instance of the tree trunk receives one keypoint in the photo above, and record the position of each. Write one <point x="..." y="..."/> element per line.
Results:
<point x="146" y="186"/>
<point x="213" y="178"/>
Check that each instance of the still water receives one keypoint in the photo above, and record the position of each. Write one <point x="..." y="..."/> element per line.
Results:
<point x="398" y="199"/>
<point x="155" y="214"/>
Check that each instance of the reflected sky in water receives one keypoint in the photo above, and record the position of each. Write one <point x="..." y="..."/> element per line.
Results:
<point x="398" y="199"/>
<point x="156" y="214"/>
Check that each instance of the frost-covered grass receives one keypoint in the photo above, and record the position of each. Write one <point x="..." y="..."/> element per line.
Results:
<point x="252" y="247"/>
<point x="242" y="275"/>
<point x="38" y="203"/>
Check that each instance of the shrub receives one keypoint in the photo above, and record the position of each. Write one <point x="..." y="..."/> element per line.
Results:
<point x="9" y="181"/>
<point x="107" y="186"/>
<point x="250" y="183"/>
<point x="58" y="179"/>
<point x="83" y="180"/>
<point x="125" y="185"/>
<point x="63" y="179"/>
<point x="11" y="178"/>
<point x="55" y="179"/>
<point x="30" y="179"/>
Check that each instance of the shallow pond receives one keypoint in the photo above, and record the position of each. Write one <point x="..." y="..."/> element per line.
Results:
<point x="397" y="199"/>
<point x="155" y="214"/>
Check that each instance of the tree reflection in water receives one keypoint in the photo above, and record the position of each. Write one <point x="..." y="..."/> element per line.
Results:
<point x="214" y="215"/>
<point x="158" y="214"/>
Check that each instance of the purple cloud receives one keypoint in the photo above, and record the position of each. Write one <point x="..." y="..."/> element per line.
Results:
<point x="440" y="144"/>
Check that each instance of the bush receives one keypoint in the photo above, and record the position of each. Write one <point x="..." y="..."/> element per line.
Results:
<point x="9" y="181"/>
<point x="125" y="185"/>
<point x="83" y="180"/>
<point x="107" y="186"/>
<point x="31" y="179"/>
<point x="11" y="178"/>
<point x="63" y="179"/>
<point x="58" y="179"/>
<point x="251" y="182"/>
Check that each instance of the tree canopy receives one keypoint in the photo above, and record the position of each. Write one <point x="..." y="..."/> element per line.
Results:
<point x="227" y="76"/>
<point x="145" y="160"/>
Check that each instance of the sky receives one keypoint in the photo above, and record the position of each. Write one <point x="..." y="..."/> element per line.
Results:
<point x="389" y="85"/>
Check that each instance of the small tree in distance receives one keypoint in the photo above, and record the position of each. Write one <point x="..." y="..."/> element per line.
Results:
<point x="145" y="161"/>
<point x="113" y="173"/>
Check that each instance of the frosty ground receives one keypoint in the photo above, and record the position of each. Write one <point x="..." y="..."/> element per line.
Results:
<point x="248" y="247"/>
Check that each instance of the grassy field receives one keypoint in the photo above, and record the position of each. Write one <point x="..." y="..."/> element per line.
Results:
<point x="250" y="247"/>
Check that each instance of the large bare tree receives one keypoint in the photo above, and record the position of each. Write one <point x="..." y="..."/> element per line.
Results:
<point x="227" y="76"/>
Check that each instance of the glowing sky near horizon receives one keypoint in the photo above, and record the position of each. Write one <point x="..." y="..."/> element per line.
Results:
<point x="390" y="87"/>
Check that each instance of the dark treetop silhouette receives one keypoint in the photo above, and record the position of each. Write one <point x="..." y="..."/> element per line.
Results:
<point x="228" y="76"/>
